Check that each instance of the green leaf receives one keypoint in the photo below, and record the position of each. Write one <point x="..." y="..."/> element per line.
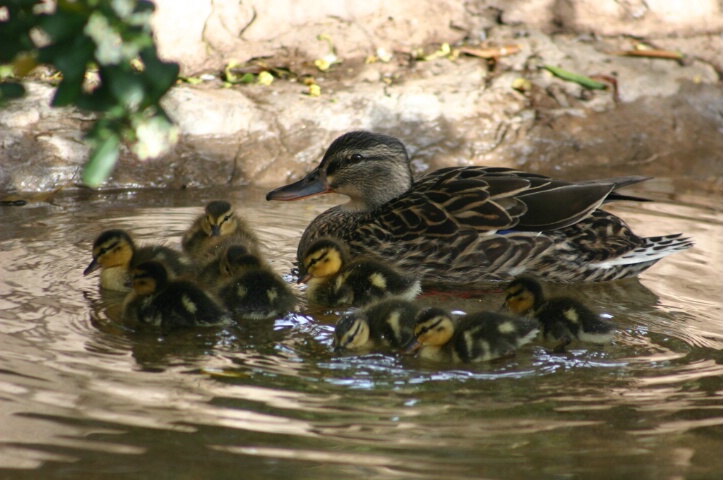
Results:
<point x="71" y="57"/>
<point x="62" y="25"/>
<point x="586" y="82"/>
<point x="125" y="86"/>
<point x="67" y="92"/>
<point x="9" y="91"/>
<point x="102" y="161"/>
<point x="159" y="76"/>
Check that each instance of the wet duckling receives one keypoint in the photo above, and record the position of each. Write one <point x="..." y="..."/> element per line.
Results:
<point x="217" y="227"/>
<point x="254" y="290"/>
<point x="157" y="300"/>
<point x="115" y="253"/>
<point x="334" y="279"/>
<point x="225" y="265"/>
<point x="561" y="318"/>
<point x="476" y="337"/>
<point x="388" y="323"/>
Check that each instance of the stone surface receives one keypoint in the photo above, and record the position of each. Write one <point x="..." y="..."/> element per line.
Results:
<point x="664" y="118"/>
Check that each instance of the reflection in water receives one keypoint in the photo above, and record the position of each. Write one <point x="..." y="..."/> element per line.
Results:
<point x="84" y="395"/>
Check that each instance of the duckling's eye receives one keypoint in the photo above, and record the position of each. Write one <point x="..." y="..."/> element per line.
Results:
<point x="356" y="158"/>
<point x="227" y="218"/>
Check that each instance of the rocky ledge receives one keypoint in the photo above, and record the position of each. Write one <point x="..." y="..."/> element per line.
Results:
<point x="658" y="116"/>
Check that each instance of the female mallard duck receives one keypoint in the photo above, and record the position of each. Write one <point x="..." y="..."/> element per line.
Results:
<point x="472" y="224"/>
<point x="388" y="323"/>
<point x="115" y="253"/>
<point x="476" y="337"/>
<point x="216" y="228"/>
<point x="156" y="300"/>
<point x="335" y="280"/>
<point x="254" y="290"/>
<point x="561" y="318"/>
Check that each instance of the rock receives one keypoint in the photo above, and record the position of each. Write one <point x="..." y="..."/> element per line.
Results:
<point x="664" y="118"/>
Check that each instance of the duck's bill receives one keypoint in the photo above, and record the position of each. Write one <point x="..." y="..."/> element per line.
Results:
<point x="303" y="278"/>
<point x="412" y="346"/>
<point x="313" y="184"/>
<point x="92" y="267"/>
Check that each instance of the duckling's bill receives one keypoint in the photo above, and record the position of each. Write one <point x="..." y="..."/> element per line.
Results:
<point x="92" y="267"/>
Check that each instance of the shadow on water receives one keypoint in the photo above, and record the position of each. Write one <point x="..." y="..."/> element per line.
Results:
<point x="86" y="396"/>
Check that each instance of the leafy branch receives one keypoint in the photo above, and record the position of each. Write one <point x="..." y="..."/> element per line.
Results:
<point x="109" y="41"/>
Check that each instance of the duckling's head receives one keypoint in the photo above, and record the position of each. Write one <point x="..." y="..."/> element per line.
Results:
<point x="236" y="259"/>
<point x="148" y="278"/>
<point x="220" y="219"/>
<point x="370" y="168"/>
<point x="351" y="331"/>
<point x="433" y="327"/>
<point x="112" y="248"/>
<point x="523" y="295"/>
<point x="323" y="258"/>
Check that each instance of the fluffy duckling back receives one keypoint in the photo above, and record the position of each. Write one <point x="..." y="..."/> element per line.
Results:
<point x="225" y="265"/>
<point x="334" y="279"/>
<point x="254" y="290"/>
<point x="115" y="253"/>
<point x="156" y="300"/>
<point x="561" y="318"/>
<point x="388" y="323"/>
<point x="476" y="337"/>
<point x="217" y="227"/>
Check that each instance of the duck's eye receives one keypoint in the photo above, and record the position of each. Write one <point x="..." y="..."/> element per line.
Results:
<point x="227" y="218"/>
<point x="356" y="158"/>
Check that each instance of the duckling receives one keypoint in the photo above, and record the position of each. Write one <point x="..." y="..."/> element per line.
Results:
<point x="217" y="227"/>
<point x="254" y="291"/>
<point x="115" y="253"/>
<point x="222" y="268"/>
<point x="476" y="337"/>
<point x="157" y="300"/>
<point x="388" y="323"/>
<point x="561" y="318"/>
<point x="335" y="280"/>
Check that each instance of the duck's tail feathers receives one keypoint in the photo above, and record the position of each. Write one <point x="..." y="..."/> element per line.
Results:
<point x="653" y="249"/>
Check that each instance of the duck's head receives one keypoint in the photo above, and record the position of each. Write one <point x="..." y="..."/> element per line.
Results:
<point x="219" y="219"/>
<point x="323" y="258"/>
<point x="433" y="327"/>
<point x="523" y="295"/>
<point x="148" y="278"/>
<point x="370" y="168"/>
<point x="112" y="248"/>
<point x="236" y="259"/>
<point x="351" y="331"/>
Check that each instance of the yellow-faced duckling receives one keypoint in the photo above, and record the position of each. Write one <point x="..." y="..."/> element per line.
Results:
<point x="157" y="300"/>
<point x="385" y="324"/>
<point x="475" y="337"/>
<point x="217" y="227"/>
<point x="561" y="318"/>
<point x="334" y="279"/>
<point x="472" y="224"/>
<point x="115" y="253"/>
<point x="254" y="290"/>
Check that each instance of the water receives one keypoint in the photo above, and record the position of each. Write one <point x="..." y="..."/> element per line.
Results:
<point x="84" y="396"/>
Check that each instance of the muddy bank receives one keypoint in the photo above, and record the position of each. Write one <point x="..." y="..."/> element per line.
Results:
<point x="657" y="117"/>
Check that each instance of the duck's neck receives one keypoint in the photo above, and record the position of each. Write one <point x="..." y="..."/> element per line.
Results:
<point x="115" y="278"/>
<point x="368" y="196"/>
<point x="434" y="352"/>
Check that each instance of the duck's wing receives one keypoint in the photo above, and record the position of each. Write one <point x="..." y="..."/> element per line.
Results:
<point x="492" y="199"/>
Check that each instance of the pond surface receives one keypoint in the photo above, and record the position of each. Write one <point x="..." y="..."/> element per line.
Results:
<point x="84" y="396"/>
